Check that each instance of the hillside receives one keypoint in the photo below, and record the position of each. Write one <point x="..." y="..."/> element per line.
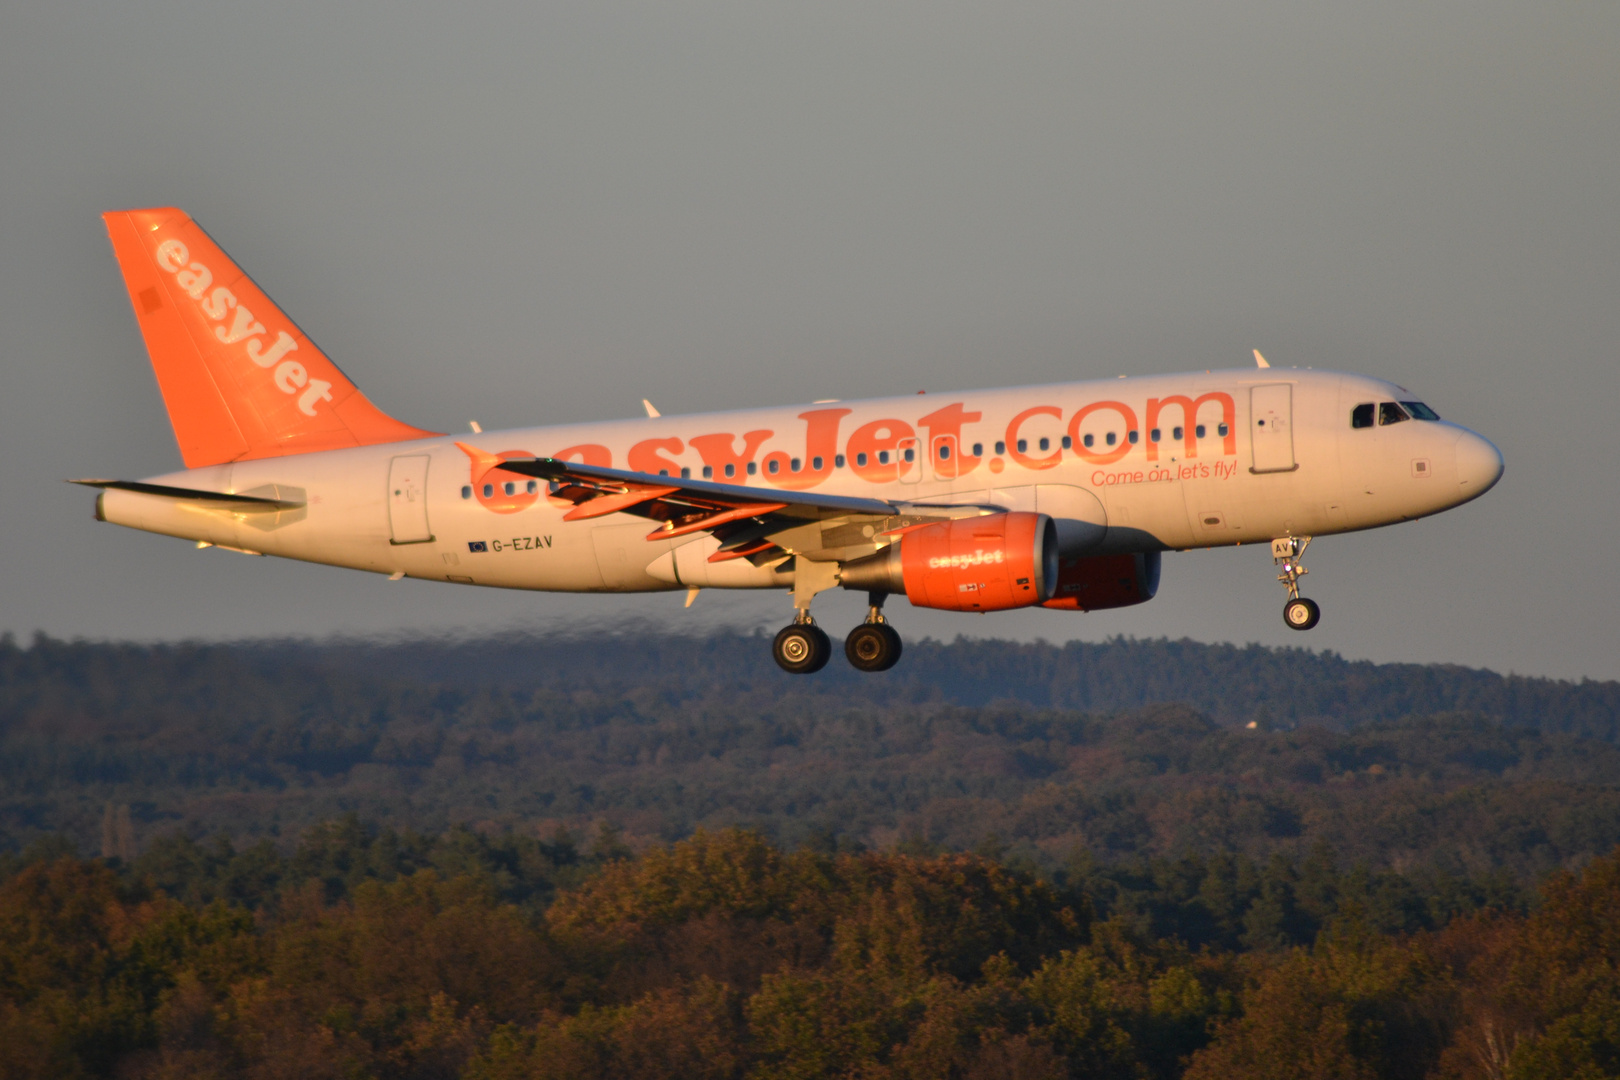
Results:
<point x="517" y="858"/>
<point x="1050" y="755"/>
<point x="1230" y="684"/>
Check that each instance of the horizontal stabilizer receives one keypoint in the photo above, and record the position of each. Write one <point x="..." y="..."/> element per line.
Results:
<point x="241" y="504"/>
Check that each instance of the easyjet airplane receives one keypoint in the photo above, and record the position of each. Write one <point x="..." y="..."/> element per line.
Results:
<point x="1061" y="496"/>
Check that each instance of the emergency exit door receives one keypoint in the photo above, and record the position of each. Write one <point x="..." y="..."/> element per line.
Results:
<point x="407" y="500"/>
<point x="1271" y="428"/>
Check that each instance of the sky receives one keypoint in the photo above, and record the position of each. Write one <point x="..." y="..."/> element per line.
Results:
<point x="539" y="212"/>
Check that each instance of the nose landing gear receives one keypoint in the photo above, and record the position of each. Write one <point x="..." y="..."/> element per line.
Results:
<point x="1299" y="613"/>
<point x="873" y="645"/>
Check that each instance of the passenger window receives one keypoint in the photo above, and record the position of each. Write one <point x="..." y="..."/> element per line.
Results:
<point x="944" y="451"/>
<point x="1362" y="415"/>
<point x="1177" y="433"/>
<point x="838" y="461"/>
<point x="1023" y="445"/>
<point x="978" y="449"/>
<point x="1046" y="444"/>
<point x="1067" y="442"/>
<point x="1110" y="438"/>
<point x="1131" y="437"/>
<point x="1199" y="431"/>
<point x="860" y="458"/>
<point x="1001" y="447"/>
<point x="1153" y="436"/>
<point x="1390" y="413"/>
<point x="815" y="463"/>
<point x="1088" y="440"/>
<point x="466" y="492"/>
<point x="1420" y="410"/>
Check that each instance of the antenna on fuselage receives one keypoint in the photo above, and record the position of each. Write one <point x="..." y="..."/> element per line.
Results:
<point x="1259" y="361"/>
<point x="652" y="413"/>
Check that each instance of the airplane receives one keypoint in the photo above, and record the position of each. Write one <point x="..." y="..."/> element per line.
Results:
<point x="1062" y="496"/>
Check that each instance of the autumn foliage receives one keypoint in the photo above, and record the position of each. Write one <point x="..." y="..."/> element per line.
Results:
<point x="722" y="956"/>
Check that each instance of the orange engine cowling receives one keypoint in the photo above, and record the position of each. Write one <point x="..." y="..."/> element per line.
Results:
<point x="1094" y="582"/>
<point x="989" y="563"/>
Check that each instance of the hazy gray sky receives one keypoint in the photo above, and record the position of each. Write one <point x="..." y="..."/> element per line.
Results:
<point x="526" y="213"/>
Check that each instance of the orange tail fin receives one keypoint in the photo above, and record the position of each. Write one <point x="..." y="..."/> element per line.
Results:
<point x="239" y="378"/>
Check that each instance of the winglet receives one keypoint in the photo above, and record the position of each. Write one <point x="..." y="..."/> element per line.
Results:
<point x="1259" y="361"/>
<point x="239" y="378"/>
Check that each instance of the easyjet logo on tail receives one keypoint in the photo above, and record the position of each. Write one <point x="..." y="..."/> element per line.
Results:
<point x="237" y="326"/>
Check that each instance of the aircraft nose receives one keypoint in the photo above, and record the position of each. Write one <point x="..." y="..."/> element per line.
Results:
<point x="1479" y="464"/>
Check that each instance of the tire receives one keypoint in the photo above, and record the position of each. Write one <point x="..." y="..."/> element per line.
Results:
<point x="873" y="647"/>
<point x="801" y="649"/>
<point x="1301" y="614"/>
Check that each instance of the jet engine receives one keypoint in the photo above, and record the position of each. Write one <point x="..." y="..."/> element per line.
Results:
<point x="1094" y="582"/>
<point x="989" y="563"/>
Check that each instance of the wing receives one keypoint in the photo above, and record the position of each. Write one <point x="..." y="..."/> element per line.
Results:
<point x="762" y="525"/>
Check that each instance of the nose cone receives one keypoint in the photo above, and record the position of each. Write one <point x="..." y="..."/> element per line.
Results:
<point x="1479" y="465"/>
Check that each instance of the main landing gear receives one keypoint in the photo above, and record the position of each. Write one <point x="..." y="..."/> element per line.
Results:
<point x="1286" y="552"/>
<point x="873" y="645"/>
<point x="802" y="647"/>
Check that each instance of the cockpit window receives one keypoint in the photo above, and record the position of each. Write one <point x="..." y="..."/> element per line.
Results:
<point x="1362" y="415"/>
<point x="1420" y="410"/>
<point x="1390" y="413"/>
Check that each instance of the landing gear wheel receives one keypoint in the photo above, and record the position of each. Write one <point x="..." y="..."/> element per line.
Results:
<point x="801" y="648"/>
<point x="1301" y="614"/>
<point x="873" y="647"/>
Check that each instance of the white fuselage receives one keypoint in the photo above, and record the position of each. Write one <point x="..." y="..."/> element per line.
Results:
<point x="1277" y="457"/>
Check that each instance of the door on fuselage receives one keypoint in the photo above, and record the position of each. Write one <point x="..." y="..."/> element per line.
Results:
<point x="407" y="500"/>
<point x="1271" y="428"/>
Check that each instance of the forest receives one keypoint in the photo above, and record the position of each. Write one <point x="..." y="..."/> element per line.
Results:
<point x="526" y="857"/>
